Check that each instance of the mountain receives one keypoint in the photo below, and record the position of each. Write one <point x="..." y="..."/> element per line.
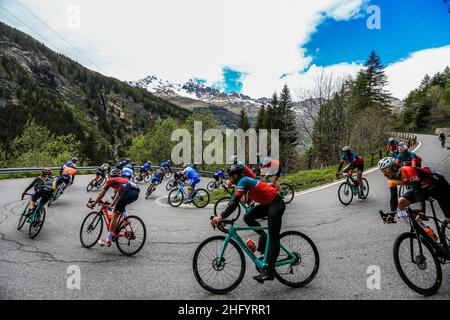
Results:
<point x="102" y="112"/>
<point x="196" y="96"/>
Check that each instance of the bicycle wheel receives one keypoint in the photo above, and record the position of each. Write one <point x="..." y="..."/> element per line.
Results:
<point x="175" y="198"/>
<point x="22" y="217"/>
<point x="365" y="189"/>
<point x="37" y="224"/>
<point x="445" y="229"/>
<point x="170" y="185"/>
<point x="91" y="229"/>
<point x="287" y="192"/>
<point x="211" y="186"/>
<point x="345" y="193"/>
<point x="421" y="272"/>
<point x="215" y="277"/>
<point x="306" y="265"/>
<point x="147" y="178"/>
<point x="132" y="237"/>
<point x="222" y="204"/>
<point x="167" y="175"/>
<point x="101" y="183"/>
<point x="90" y="186"/>
<point x="149" y="191"/>
<point x="201" y="198"/>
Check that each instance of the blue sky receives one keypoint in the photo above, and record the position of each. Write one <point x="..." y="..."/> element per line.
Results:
<point x="254" y="50"/>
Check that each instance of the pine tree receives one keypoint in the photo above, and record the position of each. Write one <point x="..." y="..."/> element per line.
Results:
<point x="261" y="119"/>
<point x="243" y="122"/>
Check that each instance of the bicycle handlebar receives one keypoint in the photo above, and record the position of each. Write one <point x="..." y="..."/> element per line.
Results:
<point x="220" y="226"/>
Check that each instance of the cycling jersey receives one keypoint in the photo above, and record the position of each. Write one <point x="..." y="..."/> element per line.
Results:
<point x="219" y="174"/>
<point x="69" y="171"/>
<point x="410" y="159"/>
<point x="352" y="158"/>
<point x="392" y="147"/>
<point x="145" y="167"/>
<point x="165" y="164"/>
<point x="118" y="184"/>
<point x="191" y="174"/>
<point x="411" y="175"/>
<point x="258" y="191"/>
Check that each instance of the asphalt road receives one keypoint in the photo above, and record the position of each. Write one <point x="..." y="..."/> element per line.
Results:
<point x="349" y="239"/>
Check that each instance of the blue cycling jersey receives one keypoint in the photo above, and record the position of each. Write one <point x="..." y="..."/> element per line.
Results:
<point x="191" y="174"/>
<point x="145" y="167"/>
<point x="219" y="173"/>
<point x="165" y="164"/>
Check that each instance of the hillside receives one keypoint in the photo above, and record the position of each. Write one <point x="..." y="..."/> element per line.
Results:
<point x="102" y="112"/>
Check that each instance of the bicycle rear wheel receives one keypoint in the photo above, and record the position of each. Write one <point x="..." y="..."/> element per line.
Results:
<point x="175" y="198"/>
<point x="211" y="186"/>
<point x="345" y="193"/>
<point x="222" y="204"/>
<point x="170" y="185"/>
<point x="215" y="277"/>
<point x="287" y="192"/>
<point x="132" y="237"/>
<point x="306" y="266"/>
<point x="421" y="272"/>
<point x="201" y="198"/>
<point x="365" y="189"/>
<point x="22" y="217"/>
<point x="37" y="223"/>
<point x="90" y="186"/>
<point x="91" y="229"/>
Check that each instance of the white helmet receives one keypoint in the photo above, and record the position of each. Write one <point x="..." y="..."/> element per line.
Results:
<point x="402" y="149"/>
<point x="386" y="163"/>
<point x="391" y="139"/>
<point x="233" y="158"/>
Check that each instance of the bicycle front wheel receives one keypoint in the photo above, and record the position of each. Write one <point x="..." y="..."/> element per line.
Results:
<point x="214" y="276"/>
<point x="22" y="217"/>
<point x="175" y="198"/>
<point x="201" y="198"/>
<point x="421" y="272"/>
<point x="37" y="223"/>
<point x="345" y="193"/>
<point x="170" y="185"/>
<point x="287" y="192"/>
<point x="90" y="186"/>
<point x="211" y="186"/>
<point x="306" y="265"/>
<point x="222" y="204"/>
<point x="91" y="229"/>
<point x="365" y="188"/>
<point x="131" y="235"/>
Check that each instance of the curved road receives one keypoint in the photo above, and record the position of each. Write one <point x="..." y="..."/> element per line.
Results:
<point x="349" y="239"/>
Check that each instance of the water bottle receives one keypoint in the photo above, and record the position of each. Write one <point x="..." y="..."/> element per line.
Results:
<point x="251" y="244"/>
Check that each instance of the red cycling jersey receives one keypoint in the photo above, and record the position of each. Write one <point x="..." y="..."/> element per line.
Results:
<point x="258" y="191"/>
<point x="409" y="175"/>
<point x="116" y="183"/>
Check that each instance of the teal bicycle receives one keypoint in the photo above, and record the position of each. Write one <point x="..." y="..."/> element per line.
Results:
<point x="35" y="219"/>
<point x="57" y="193"/>
<point x="219" y="263"/>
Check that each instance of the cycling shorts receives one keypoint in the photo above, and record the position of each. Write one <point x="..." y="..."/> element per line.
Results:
<point x="64" y="178"/>
<point x="100" y="172"/>
<point x="156" y="179"/>
<point x="193" y="182"/>
<point x="45" y="194"/>
<point x="127" y="196"/>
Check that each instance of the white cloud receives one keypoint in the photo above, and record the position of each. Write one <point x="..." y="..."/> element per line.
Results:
<point x="407" y="74"/>
<point x="180" y="39"/>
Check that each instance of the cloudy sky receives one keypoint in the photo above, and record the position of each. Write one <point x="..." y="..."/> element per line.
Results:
<point x="251" y="46"/>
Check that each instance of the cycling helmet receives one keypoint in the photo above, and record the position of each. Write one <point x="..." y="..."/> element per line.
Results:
<point x="387" y="163"/>
<point x="236" y="168"/>
<point x="127" y="173"/>
<point x="73" y="165"/>
<point x="110" y="162"/>
<point x="148" y="162"/>
<point x="265" y="161"/>
<point x="346" y="149"/>
<point x="46" y="172"/>
<point x="402" y="149"/>
<point x="74" y="160"/>
<point x="114" y="172"/>
<point x="233" y="159"/>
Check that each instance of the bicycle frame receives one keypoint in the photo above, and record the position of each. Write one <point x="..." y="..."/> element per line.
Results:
<point x="233" y="235"/>
<point x="442" y="251"/>
<point x="104" y="209"/>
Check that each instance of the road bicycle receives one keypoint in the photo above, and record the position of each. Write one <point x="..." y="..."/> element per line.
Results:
<point x="129" y="236"/>
<point x="97" y="183"/>
<point x="200" y="197"/>
<point x="143" y="176"/>
<point x="152" y="187"/>
<point x="419" y="253"/>
<point x="219" y="263"/>
<point x="57" y="193"/>
<point x="286" y="191"/>
<point x="350" y="187"/>
<point x="36" y="218"/>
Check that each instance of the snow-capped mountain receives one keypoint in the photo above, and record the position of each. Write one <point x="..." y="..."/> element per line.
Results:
<point x="195" y="90"/>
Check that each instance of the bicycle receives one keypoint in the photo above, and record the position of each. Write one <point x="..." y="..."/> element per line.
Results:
<point x="422" y="250"/>
<point x="286" y="191"/>
<point x="200" y="197"/>
<point x="129" y="236"/>
<point x="143" y="176"/>
<point x="151" y="188"/>
<point x="350" y="188"/>
<point x="36" y="219"/>
<point x="57" y="193"/>
<point x="97" y="183"/>
<point x="222" y="258"/>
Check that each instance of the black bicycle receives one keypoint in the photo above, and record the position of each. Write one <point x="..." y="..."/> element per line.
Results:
<point x="419" y="253"/>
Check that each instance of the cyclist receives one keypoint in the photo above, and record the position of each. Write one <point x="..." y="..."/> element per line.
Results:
<point x="219" y="176"/>
<point x="269" y="205"/>
<point x="391" y="148"/>
<point x="273" y="168"/>
<point x="67" y="175"/>
<point x="193" y="178"/>
<point x="43" y="186"/>
<point x="103" y="170"/>
<point x="247" y="171"/>
<point x="146" y="167"/>
<point x="354" y="161"/>
<point x="424" y="181"/>
<point x="126" y="192"/>
<point x="158" y="176"/>
<point x="408" y="158"/>
<point x="123" y="163"/>
<point x="442" y="139"/>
